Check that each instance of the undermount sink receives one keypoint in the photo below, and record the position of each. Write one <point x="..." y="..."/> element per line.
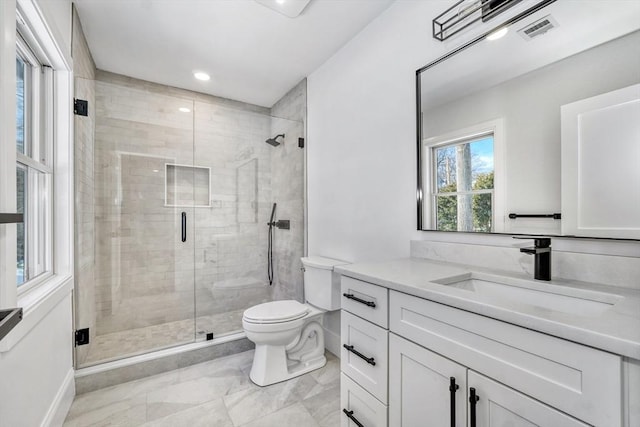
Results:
<point x="550" y="296"/>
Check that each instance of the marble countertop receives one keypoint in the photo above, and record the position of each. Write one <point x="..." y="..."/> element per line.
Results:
<point x="616" y="329"/>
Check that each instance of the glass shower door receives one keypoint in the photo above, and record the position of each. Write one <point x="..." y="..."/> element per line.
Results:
<point x="247" y="177"/>
<point x="138" y="293"/>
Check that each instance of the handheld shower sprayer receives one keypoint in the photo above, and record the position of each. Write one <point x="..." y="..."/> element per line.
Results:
<point x="271" y="224"/>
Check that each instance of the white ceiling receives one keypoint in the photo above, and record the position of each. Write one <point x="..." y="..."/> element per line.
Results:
<point x="253" y="54"/>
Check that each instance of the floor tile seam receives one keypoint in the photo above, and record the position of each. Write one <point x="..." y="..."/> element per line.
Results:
<point x="189" y="409"/>
<point x="273" y="412"/>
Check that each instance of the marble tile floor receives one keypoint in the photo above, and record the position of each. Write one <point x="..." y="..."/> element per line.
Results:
<point x="217" y="393"/>
<point x="117" y="345"/>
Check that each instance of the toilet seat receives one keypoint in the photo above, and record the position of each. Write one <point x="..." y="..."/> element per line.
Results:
<point x="276" y="312"/>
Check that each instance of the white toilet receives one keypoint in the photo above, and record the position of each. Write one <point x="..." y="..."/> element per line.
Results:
<point x="288" y="335"/>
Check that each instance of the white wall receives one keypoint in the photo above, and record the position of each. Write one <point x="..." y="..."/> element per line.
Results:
<point x="362" y="133"/>
<point x="37" y="373"/>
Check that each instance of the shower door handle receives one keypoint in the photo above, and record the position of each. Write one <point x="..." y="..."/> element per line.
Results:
<point x="184" y="226"/>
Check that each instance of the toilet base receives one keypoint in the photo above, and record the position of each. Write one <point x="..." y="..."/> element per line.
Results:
<point x="270" y="365"/>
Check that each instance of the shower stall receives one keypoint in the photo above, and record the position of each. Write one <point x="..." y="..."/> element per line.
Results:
<point x="174" y="191"/>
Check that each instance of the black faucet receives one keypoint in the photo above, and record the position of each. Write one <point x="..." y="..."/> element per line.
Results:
<point x="542" y="251"/>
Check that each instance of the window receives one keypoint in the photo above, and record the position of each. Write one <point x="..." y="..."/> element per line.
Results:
<point x="34" y="136"/>
<point x="463" y="184"/>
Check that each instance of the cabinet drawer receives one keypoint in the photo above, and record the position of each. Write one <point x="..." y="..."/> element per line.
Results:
<point x="576" y="379"/>
<point x="362" y="406"/>
<point x="365" y="300"/>
<point x="366" y="359"/>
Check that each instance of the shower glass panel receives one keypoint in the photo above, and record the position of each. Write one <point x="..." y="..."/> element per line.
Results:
<point x="143" y="275"/>
<point x="173" y="195"/>
<point x="231" y="238"/>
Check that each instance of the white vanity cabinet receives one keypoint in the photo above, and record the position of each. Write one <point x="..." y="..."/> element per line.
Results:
<point x="421" y="362"/>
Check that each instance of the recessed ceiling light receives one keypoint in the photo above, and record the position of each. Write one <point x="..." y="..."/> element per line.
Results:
<point x="498" y="34"/>
<point x="288" y="8"/>
<point x="201" y="76"/>
<point x="184" y="110"/>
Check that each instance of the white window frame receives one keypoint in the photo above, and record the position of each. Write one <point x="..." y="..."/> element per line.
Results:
<point x="46" y="43"/>
<point x="39" y="146"/>
<point x="492" y="127"/>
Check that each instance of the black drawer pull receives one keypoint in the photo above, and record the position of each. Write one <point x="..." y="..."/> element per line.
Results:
<point x="453" y="387"/>
<point x="473" y="398"/>
<point x="369" y="360"/>
<point x="352" y="418"/>
<point x="361" y="301"/>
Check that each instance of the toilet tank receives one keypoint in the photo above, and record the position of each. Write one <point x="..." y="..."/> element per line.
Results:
<point x="321" y="283"/>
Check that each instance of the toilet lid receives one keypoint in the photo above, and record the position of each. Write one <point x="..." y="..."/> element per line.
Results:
<point x="276" y="312"/>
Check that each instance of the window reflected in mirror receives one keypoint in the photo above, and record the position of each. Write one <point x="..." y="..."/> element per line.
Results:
<point x="463" y="185"/>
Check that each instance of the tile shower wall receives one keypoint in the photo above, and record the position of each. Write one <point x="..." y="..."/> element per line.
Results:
<point x="288" y="186"/>
<point x="84" y="222"/>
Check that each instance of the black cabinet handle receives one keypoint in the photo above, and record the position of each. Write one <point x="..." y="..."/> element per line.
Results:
<point x="11" y="218"/>
<point x="453" y="387"/>
<point x="361" y="301"/>
<point x="184" y="226"/>
<point x="352" y="418"/>
<point x="369" y="360"/>
<point x="473" y="398"/>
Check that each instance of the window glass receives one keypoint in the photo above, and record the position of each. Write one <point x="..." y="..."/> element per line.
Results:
<point x="22" y="272"/>
<point x="463" y="194"/>
<point x="20" y="104"/>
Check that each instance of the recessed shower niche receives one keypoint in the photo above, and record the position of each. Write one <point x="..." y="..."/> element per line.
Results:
<point x="187" y="185"/>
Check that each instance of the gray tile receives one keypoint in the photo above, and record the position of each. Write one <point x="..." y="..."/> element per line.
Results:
<point x="210" y="414"/>
<point x="291" y="416"/>
<point x="126" y="412"/>
<point x="214" y="393"/>
<point x="324" y="407"/>
<point x="97" y="399"/>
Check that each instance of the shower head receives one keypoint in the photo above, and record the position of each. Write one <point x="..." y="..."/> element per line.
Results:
<point x="273" y="141"/>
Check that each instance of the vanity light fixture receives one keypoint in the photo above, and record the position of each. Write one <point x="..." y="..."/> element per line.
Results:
<point x="201" y="75"/>
<point x="498" y="34"/>
<point x="280" y="1"/>
<point x="465" y="13"/>
<point x="184" y="110"/>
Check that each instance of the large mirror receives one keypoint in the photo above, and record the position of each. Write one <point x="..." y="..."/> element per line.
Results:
<point x="499" y="120"/>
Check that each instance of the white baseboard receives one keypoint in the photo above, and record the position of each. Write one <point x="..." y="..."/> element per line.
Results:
<point x="62" y="402"/>
<point x="332" y="342"/>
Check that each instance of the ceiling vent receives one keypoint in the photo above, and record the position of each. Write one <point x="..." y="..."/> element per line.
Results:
<point x="538" y="28"/>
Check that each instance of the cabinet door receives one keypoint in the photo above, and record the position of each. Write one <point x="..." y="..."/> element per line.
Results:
<point x="419" y="387"/>
<point x="500" y="406"/>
